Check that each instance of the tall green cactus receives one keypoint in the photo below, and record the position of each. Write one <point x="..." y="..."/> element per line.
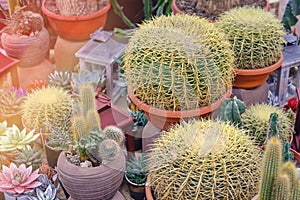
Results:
<point x="231" y="110"/>
<point x="289" y="168"/>
<point x="281" y="188"/>
<point x="273" y="130"/>
<point x="295" y="194"/>
<point x="93" y="120"/>
<point x="87" y="99"/>
<point x="272" y="160"/>
<point x="79" y="127"/>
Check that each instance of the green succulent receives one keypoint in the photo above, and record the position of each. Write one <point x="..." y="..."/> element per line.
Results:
<point x="48" y="104"/>
<point x="29" y="157"/>
<point x="10" y="101"/>
<point x="178" y="62"/>
<point x="204" y="160"/>
<point x="256" y="122"/>
<point x="256" y="36"/>
<point x="136" y="169"/>
<point x="14" y="139"/>
<point x="61" y="79"/>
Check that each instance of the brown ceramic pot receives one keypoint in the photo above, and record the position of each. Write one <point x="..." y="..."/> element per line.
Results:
<point x="95" y="183"/>
<point x="52" y="155"/>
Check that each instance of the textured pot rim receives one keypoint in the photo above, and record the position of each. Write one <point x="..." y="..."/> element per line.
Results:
<point x="264" y="70"/>
<point x="76" y="18"/>
<point x="177" y="10"/>
<point x="134" y="184"/>
<point x="180" y="113"/>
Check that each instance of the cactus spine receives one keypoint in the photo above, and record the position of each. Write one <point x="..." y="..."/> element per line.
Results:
<point x="114" y="133"/>
<point x="295" y="194"/>
<point x="79" y="127"/>
<point x="87" y="99"/>
<point x="289" y="168"/>
<point x="108" y="150"/>
<point x="231" y="110"/>
<point x="272" y="160"/>
<point x="93" y="120"/>
<point x="281" y="187"/>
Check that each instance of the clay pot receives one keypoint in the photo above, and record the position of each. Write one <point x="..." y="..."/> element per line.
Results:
<point x="30" y="50"/>
<point x="251" y="78"/>
<point x="137" y="191"/>
<point x="76" y="28"/>
<point x="93" y="183"/>
<point x="164" y="119"/>
<point x="52" y="155"/>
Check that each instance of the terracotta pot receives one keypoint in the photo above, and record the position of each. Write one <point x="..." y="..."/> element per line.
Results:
<point x="94" y="183"/>
<point x="30" y="50"/>
<point x="52" y="155"/>
<point x="175" y="9"/>
<point x="148" y="193"/>
<point x="76" y="28"/>
<point x="251" y="78"/>
<point x="296" y="156"/>
<point x="164" y="119"/>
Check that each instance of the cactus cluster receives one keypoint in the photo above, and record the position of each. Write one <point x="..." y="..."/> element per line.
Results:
<point x="231" y="110"/>
<point x="278" y="180"/>
<point x="48" y="104"/>
<point x="256" y="121"/>
<point x="204" y="159"/>
<point x="255" y="35"/>
<point x="60" y="79"/>
<point x="178" y="62"/>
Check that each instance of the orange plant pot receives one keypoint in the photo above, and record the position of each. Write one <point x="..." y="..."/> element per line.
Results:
<point x="251" y="78"/>
<point x="76" y="28"/>
<point x="164" y="119"/>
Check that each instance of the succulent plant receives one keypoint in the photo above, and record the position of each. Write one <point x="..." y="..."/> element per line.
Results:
<point x="140" y="118"/>
<point x="29" y="157"/>
<point x="76" y="7"/>
<point x="255" y="35"/>
<point x="85" y="76"/>
<point x="3" y="127"/>
<point x="15" y="139"/>
<point x="61" y="79"/>
<point x="256" y="121"/>
<point x="48" y="171"/>
<point x="10" y="101"/>
<point x="23" y="22"/>
<point x="136" y="169"/>
<point x="231" y="110"/>
<point x="46" y="191"/>
<point x="204" y="159"/>
<point x="178" y="62"/>
<point x="108" y="150"/>
<point x="114" y="133"/>
<point x="49" y="104"/>
<point x="18" y="180"/>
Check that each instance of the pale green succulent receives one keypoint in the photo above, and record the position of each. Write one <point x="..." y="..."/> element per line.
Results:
<point x="29" y="157"/>
<point x="14" y="139"/>
<point x="61" y="79"/>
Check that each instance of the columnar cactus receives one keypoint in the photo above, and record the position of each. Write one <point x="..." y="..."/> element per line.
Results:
<point x="231" y="110"/>
<point x="282" y="186"/>
<point x="178" y="62"/>
<point x="93" y="119"/>
<point x="204" y="160"/>
<point x="256" y="121"/>
<point x="255" y="35"/>
<point x="87" y="99"/>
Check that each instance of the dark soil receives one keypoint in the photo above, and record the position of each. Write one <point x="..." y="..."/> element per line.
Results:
<point x="51" y="5"/>
<point x="189" y="6"/>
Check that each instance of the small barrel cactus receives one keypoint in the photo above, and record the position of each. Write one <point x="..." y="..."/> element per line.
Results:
<point x="178" y="62"/>
<point x="108" y="150"/>
<point x="114" y="133"/>
<point x="256" y="121"/>
<point x="204" y="160"/>
<point x="231" y="110"/>
<point x="48" y="104"/>
<point x="255" y="35"/>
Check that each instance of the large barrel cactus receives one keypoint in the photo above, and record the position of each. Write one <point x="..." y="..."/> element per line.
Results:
<point x="256" y="121"/>
<point x="255" y="35"/>
<point x="204" y="160"/>
<point x="178" y="62"/>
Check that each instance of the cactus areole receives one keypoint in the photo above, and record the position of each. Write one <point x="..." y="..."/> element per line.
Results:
<point x="178" y="63"/>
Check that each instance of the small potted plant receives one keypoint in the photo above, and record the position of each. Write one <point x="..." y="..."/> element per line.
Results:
<point x="10" y="105"/>
<point x="256" y="37"/>
<point x="18" y="183"/>
<point x="140" y="120"/>
<point x="136" y="176"/>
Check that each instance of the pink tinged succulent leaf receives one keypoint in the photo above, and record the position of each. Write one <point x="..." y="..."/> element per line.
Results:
<point x="6" y="172"/>
<point x="19" y="189"/>
<point x="7" y="186"/>
<point x="15" y="182"/>
<point x="30" y="179"/>
<point x="33" y="185"/>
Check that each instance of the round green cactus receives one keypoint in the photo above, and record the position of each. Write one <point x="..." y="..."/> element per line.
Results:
<point x="178" y="62"/>
<point x="255" y="35"/>
<point x="114" y="133"/>
<point x="49" y="104"/>
<point x="108" y="150"/>
<point x="204" y="160"/>
<point x="256" y="122"/>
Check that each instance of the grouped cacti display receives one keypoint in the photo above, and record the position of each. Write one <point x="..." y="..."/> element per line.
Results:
<point x="61" y="79"/>
<point x="114" y="133"/>
<point x="256" y="121"/>
<point x="204" y="160"/>
<point x="278" y="179"/>
<point x="255" y="35"/>
<point x="178" y="62"/>
<point x="29" y="157"/>
<point x="231" y="110"/>
<point x="48" y="104"/>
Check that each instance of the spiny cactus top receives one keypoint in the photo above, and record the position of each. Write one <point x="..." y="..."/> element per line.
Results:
<point x="255" y="35"/>
<point x="178" y="62"/>
<point x="204" y="160"/>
